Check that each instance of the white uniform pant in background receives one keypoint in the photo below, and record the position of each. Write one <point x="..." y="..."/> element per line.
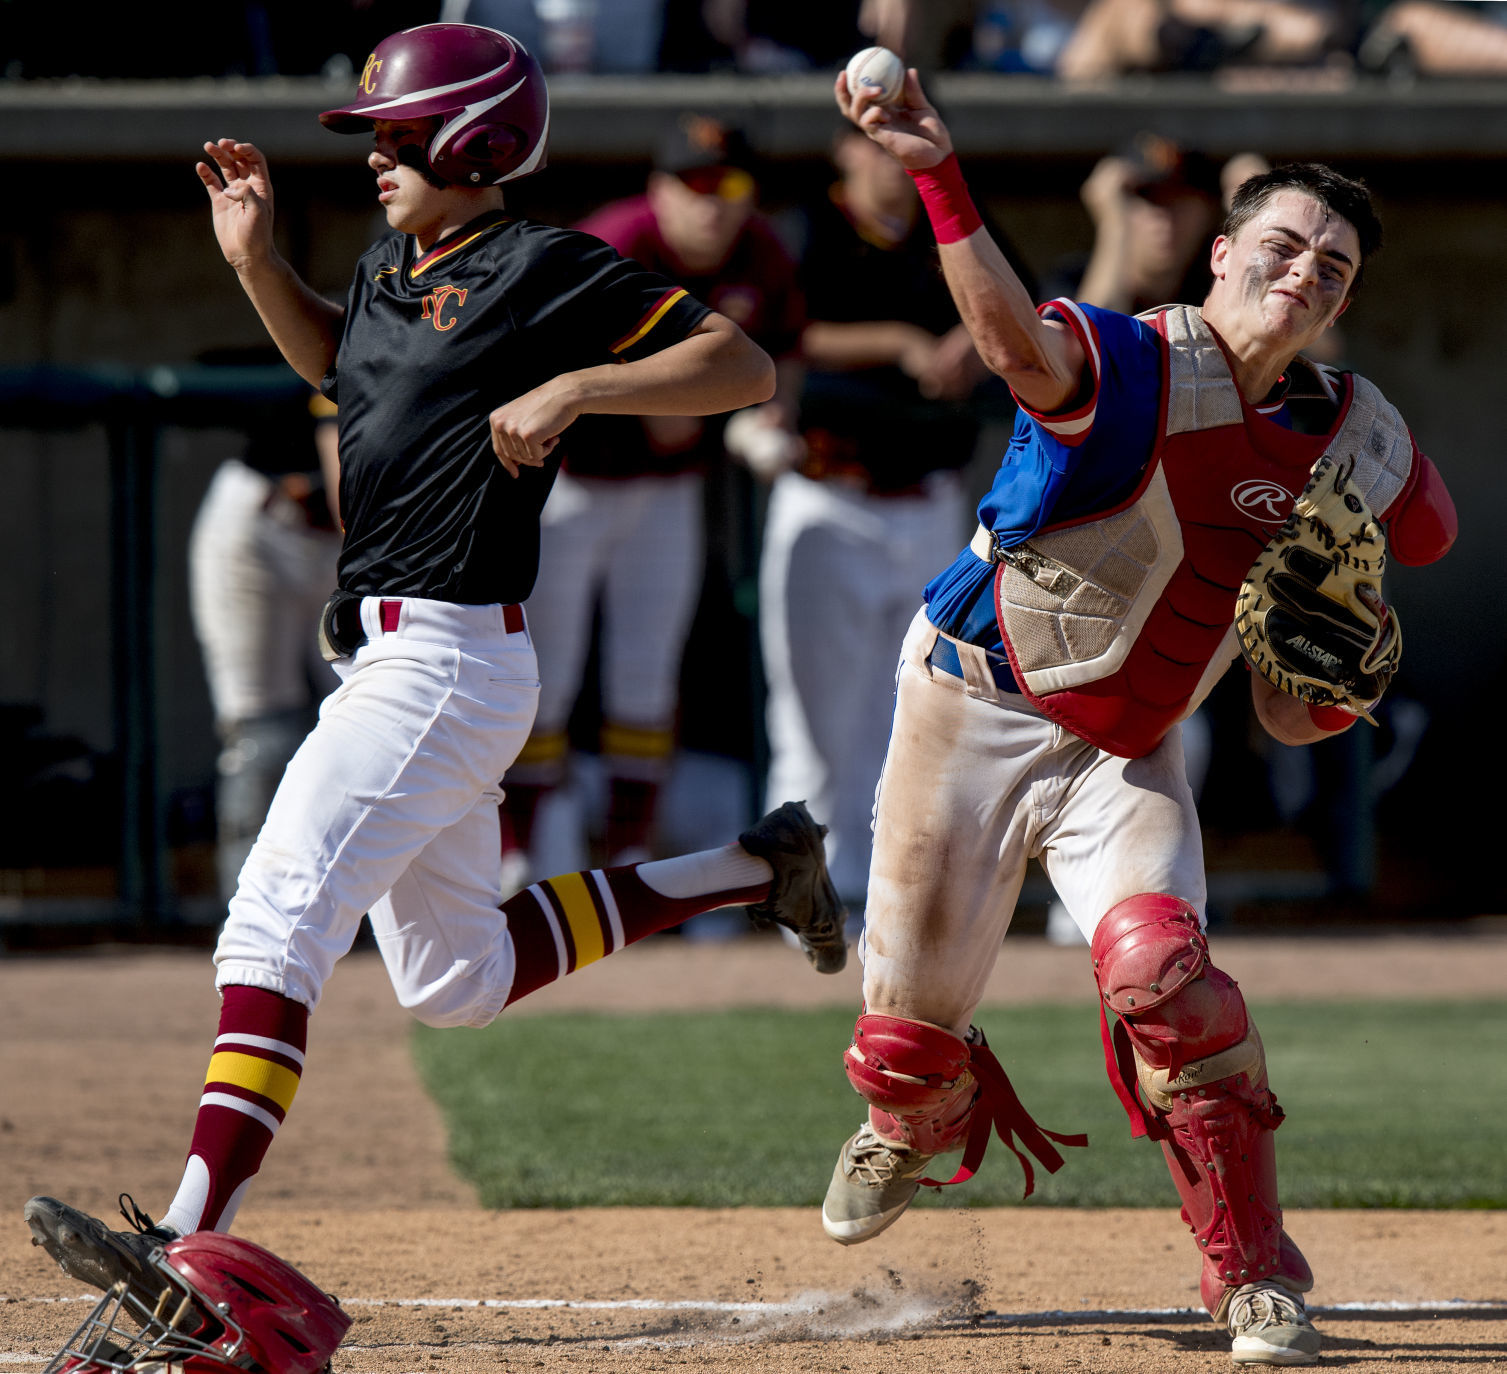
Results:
<point x="639" y="544"/>
<point x="839" y="577"/>
<point x="258" y="576"/>
<point x="389" y="808"/>
<point x="973" y="787"/>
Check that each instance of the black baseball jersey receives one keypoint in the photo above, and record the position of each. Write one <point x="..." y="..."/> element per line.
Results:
<point x="433" y="343"/>
<point x="873" y="422"/>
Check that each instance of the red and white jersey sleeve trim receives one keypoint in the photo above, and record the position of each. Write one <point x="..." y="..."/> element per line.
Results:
<point x="1072" y="427"/>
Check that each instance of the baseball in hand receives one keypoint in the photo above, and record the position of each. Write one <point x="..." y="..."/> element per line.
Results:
<point x="878" y="73"/>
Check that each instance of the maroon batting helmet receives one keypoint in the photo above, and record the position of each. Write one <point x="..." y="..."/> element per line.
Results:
<point x="226" y="1306"/>
<point x="485" y="87"/>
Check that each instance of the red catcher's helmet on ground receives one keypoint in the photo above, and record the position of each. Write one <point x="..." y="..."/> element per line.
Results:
<point x="225" y="1304"/>
<point x="485" y="87"/>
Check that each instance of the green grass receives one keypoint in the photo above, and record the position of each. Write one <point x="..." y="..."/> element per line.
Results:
<point x="1389" y="1105"/>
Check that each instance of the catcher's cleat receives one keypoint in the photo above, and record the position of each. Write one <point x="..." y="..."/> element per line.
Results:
<point x="801" y="897"/>
<point x="1270" y="1327"/>
<point x="87" y="1250"/>
<point x="873" y="1183"/>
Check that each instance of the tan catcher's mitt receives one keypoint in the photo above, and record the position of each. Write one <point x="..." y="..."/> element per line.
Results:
<point x="1310" y="614"/>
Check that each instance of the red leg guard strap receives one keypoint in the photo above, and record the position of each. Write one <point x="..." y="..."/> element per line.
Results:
<point x="998" y="1108"/>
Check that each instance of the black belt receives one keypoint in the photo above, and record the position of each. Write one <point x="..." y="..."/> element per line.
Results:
<point x="340" y="630"/>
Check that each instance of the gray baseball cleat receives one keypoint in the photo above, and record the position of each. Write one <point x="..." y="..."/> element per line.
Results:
<point x="1270" y="1326"/>
<point x="801" y="897"/>
<point x="87" y="1250"/>
<point x="873" y="1183"/>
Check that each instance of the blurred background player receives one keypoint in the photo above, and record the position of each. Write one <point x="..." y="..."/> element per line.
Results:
<point x="623" y="530"/>
<point x="261" y="562"/>
<point x="1154" y="206"/>
<point x="874" y="499"/>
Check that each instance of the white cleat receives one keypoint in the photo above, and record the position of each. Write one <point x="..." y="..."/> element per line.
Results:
<point x="1270" y="1327"/>
<point x="873" y="1183"/>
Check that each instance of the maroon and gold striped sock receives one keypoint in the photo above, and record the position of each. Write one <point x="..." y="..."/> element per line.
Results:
<point x="565" y="923"/>
<point x="253" y="1075"/>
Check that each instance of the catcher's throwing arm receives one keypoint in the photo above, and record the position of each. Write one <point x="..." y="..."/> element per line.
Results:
<point x="1310" y="613"/>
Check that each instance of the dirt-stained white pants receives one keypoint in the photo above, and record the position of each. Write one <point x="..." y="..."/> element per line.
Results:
<point x="976" y="783"/>
<point x="389" y="807"/>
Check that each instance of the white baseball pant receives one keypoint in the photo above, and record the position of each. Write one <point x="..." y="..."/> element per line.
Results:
<point x="389" y="807"/>
<point x="976" y="783"/>
<point x="639" y="542"/>
<point x="839" y="574"/>
<point x="258" y="576"/>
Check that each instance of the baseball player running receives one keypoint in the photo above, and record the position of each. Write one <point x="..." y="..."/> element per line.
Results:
<point x="1153" y="459"/>
<point x="470" y="340"/>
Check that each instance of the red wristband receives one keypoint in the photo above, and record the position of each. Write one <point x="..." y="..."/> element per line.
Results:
<point x="1331" y="718"/>
<point x="949" y="207"/>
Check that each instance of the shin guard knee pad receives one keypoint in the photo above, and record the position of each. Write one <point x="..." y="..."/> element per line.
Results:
<point x="933" y="1091"/>
<point x="915" y="1079"/>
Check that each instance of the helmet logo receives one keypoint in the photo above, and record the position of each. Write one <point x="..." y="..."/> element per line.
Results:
<point x="435" y="302"/>
<point x="369" y="73"/>
<point x="1262" y="500"/>
<point x="708" y="135"/>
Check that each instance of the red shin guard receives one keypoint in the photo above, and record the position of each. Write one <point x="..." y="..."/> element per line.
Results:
<point x="1222" y="1156"/>
<point x="1191" y="1073"/>
<point x="932" y="1092"/>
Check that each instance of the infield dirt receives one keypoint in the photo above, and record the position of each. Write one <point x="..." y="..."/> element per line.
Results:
<point x="103" y="1054"/>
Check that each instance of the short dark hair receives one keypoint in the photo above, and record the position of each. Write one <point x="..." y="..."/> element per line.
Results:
<point x="1345" y="196"/>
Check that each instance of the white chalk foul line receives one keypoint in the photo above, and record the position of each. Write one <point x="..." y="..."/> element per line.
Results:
<point x="592" y="1305"/>
<point x="812" y="1305"/>
<point x="1123" y="1314"/>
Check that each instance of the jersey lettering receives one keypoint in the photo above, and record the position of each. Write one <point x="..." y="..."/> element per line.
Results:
<point x="435" y="302"/>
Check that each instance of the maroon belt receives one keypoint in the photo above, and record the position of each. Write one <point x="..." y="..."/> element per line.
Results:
<point x="341" y="633"/>
<point x="512" y="616"/>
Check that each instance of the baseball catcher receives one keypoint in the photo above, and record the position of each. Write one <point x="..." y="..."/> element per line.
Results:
<point x="1043" y="683"/>
<point x="1310" y="614"/>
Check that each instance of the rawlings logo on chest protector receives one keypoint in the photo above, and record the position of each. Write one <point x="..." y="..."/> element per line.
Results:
<point x="1263" y="499"/>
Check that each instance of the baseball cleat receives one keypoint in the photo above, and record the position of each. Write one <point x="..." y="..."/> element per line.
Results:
<point x="874" y="1181"/>
<point x="87" y="1250"/>
<point x="801" y="897"/>
<point x="1270" y="1326"/>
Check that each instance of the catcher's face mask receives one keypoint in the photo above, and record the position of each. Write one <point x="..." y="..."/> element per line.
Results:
<point x="224" y="1304"/>
<point x="175" y="1338"/>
